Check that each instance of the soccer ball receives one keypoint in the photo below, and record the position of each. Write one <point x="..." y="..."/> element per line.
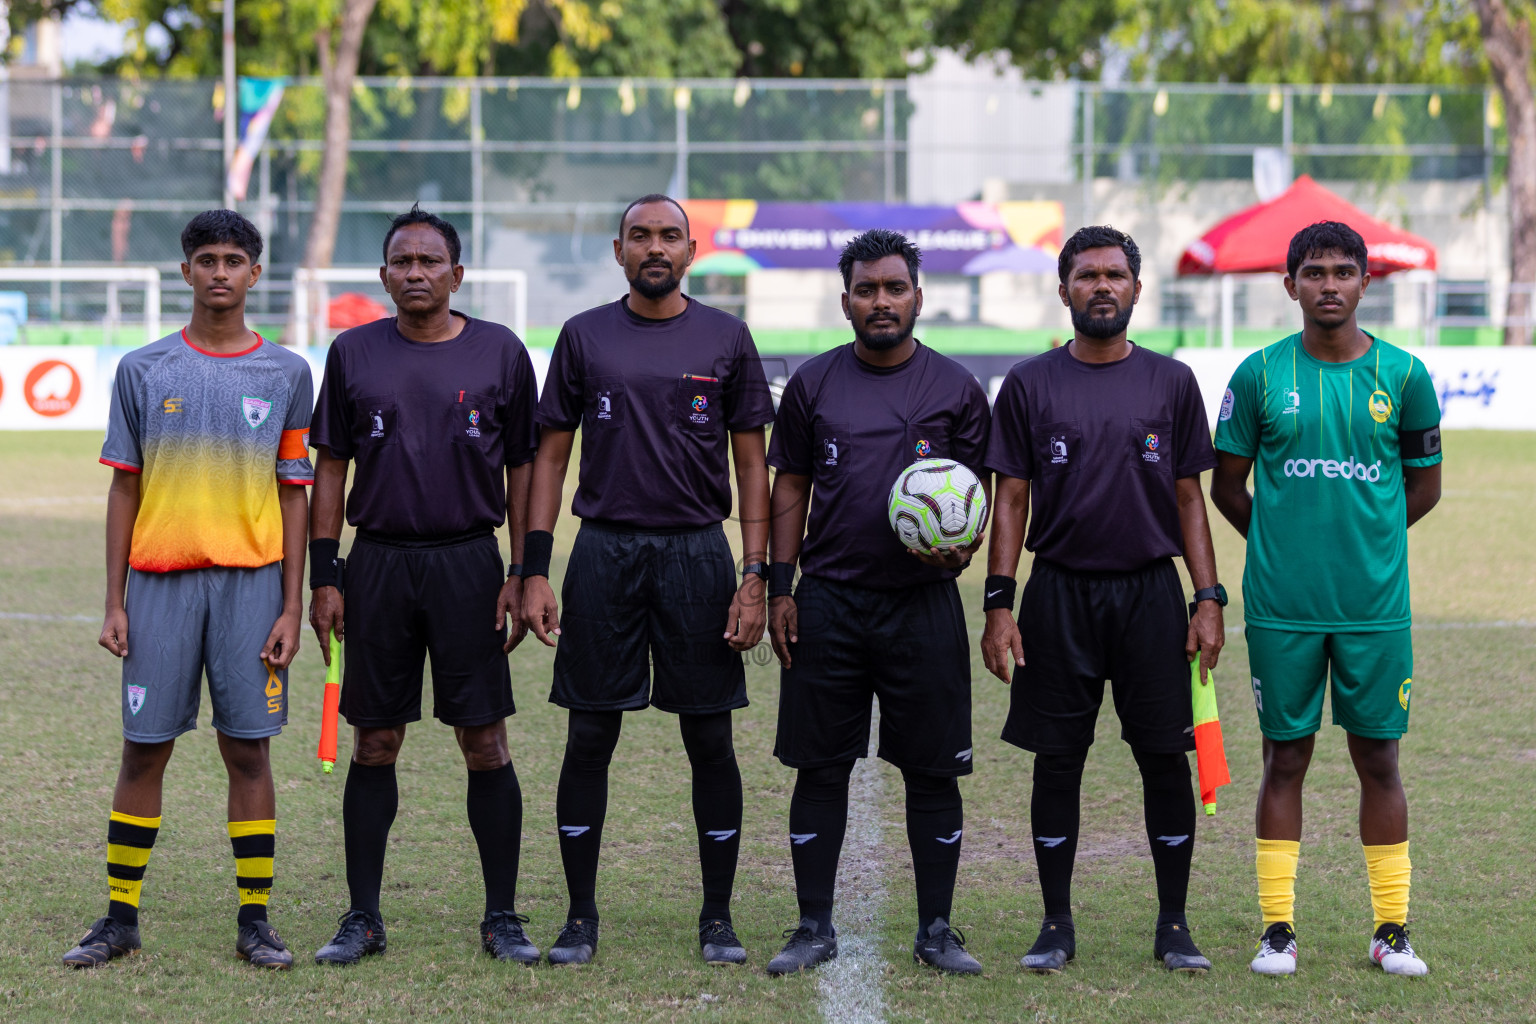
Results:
<point x="937" y="503"/>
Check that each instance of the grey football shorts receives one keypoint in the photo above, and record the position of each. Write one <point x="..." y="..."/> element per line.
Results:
<point x="183" y="624"/>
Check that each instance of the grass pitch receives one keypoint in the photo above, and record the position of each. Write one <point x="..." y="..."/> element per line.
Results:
<point x="1469" y="764"/>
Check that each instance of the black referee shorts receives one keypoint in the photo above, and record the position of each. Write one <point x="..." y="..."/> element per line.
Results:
<point x="1080" y="629"/>
<point x="407" y="600"/>
<point x="908" y="647"/>
<point x="633" y="601"/>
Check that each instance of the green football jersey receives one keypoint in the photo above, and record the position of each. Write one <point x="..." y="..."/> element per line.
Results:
<point x="1328" y="541"/>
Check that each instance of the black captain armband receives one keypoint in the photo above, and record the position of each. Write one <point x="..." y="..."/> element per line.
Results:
<point x="999" y="593"/>
<point x="538" y="546"/>
<point x="1419" y="444"/>
<point x="325" y="563"/>
<point x="781" y="579"/>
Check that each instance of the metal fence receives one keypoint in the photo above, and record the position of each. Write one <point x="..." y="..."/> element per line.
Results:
<point x="535" y="171"/>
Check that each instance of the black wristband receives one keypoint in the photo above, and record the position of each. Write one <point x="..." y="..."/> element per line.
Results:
<point x="781" y="579"/>
<point x="324" y="563"/>
<point x="515" y="569"/>
<point x="999" y="593"/>
<point x="538" y="546"/>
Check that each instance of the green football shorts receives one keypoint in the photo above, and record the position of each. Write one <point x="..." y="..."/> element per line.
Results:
<point x="1371" y="681"/>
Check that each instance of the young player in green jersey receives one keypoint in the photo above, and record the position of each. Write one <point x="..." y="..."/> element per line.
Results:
<point x="1343" y="433"/>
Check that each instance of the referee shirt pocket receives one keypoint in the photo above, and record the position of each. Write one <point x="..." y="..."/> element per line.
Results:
<point x="604" y="402"/>
<point x="1152" y="445"/>
<point x="472" y="420"/>
<point x="377" y="422"/>
<point x="1058" y="448"/>
<point x="832" y="445"/>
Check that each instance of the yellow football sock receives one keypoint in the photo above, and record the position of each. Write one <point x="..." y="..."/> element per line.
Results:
<point x="255" y="844"/>
<point x="1390" y="873"/>
<point x="1276" y="865"/>
<point x="129" y="842"/>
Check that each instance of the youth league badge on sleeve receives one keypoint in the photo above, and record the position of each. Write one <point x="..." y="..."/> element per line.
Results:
<point x="1226" y="405"/>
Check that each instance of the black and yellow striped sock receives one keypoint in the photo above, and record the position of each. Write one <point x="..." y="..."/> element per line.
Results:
<point x="129" y="842"/>
<point x="255" y="844"/>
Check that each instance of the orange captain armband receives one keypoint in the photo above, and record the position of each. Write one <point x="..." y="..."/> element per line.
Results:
<point x="294" y="444"/>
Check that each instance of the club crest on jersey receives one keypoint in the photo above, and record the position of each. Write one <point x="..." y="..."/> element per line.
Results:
<point x="922" y="448"/>
<point x="135" y="699"/>
<point x="1404" y="692"/>
<point x="1380" y="405"/>
<point x="254" y="410"/>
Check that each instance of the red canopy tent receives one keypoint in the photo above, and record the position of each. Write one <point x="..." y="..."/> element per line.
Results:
<point x="1254" y="241"/>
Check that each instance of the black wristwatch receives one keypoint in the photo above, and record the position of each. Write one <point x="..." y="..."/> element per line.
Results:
<point x="1218" y="593"/>
<point x="759" y="569"/>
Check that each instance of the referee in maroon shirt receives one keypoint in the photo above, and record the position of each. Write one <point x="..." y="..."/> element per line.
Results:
<point x="1109" y="441"/>
<point x="436" y="411"/>
<point x="666" y="391"/>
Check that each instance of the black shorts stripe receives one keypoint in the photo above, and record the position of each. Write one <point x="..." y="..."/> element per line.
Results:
<point x="125" y="833"/>
<point x="124" y="873"/>
<point x="253" y="882"/>
<point x="255" y="846"/>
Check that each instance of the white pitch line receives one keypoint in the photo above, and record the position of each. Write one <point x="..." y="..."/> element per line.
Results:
<point x="852" y="987"/>
<point x="37" y="617"/>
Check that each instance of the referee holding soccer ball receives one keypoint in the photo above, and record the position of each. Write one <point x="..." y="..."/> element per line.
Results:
<point x="1109" y="441"/>
<point x="869" y="618"/>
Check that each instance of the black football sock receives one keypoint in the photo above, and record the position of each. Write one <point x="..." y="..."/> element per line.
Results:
<point x="935" y="818"/>
<point x="581" y="803"/>
<point x="716" y="807"/>
<point x="818" y="817"/>
<point x="495" y="805"/>
<point x="368" y="807"/>
<point x="1168" y="801"/>
<point x="1053" y="819"/>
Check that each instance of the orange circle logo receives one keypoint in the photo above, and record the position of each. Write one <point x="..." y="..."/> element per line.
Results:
<point x="52" y="388"/>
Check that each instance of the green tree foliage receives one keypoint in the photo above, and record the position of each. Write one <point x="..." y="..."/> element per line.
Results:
<point x="1305" y="41"/>
<point x="620" y="38"/>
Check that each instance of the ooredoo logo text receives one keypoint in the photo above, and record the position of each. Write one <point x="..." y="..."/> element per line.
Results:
<point x="1349" y="469"/>
<point x="52" y="388"/>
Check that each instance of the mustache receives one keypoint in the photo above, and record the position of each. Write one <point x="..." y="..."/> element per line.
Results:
<point x="657" y="261"/>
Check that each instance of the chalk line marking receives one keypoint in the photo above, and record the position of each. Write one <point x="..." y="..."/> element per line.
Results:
<point x="852" y="987"/>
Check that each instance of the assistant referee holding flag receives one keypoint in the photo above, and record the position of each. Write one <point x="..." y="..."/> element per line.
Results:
<point x="666" y="391"/>
<point x="1109" y="441"/>
<point x="436" y="409"/>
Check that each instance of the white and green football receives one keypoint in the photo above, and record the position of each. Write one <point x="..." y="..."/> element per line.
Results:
<point x="937" y="503"/>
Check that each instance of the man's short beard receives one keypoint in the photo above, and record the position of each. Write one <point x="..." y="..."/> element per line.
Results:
<point x="887" y="343"/>
<point x="1101" y="327"/>
<point x="654" y="290"/>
